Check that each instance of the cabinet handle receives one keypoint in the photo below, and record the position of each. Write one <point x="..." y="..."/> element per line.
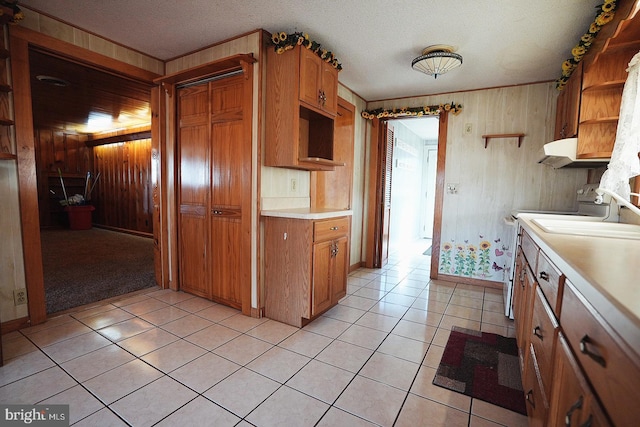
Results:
<point x="544" y="275"/>
<point x="529" y="398"/>
<point x="588" y="423"/>
<point x="567" y="417"/>
<point x="334" y="228"/>
<point x="536" y="332"/>
<point x="322" y="98"/>
<point x="585" y="350"/>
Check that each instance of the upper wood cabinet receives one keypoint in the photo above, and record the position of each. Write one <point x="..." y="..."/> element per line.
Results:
<point x="301" y="105"/>
<point x="569" y="106"/>
<point x="589" y="105"/>
<point x="318" y="82"/>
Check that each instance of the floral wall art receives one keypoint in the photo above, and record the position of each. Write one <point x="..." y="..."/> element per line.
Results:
<point x="480" y="259"/>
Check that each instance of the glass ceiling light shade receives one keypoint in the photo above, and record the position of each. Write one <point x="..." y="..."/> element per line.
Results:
<point x="436" y="60"/>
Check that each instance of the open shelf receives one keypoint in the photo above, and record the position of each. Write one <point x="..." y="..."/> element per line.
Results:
<point x="503" y="135"/>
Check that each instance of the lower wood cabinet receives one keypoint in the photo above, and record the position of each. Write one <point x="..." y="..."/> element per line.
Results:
<point x="306" y="263"/>
<point x="576" y="370"/>
<point x="574" y="402"/>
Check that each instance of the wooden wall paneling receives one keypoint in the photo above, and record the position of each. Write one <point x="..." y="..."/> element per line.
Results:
<point x="155" y="197"/>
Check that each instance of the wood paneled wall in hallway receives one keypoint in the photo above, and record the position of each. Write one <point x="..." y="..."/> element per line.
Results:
<point x="122" y="195"/>
<point x="57" y="149"/>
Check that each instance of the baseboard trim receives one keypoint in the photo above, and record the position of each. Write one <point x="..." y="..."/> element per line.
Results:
<point x="470" y="281"/>
<point x="14" y="325"/>
<point x="354" y="267"/>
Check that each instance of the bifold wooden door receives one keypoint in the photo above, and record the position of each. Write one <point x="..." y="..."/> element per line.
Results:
<point x="214" y="150"/>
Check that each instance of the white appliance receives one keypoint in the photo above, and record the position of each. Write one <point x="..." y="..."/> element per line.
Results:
<point x="563" y="153"/>
<point x="587" y="210"/>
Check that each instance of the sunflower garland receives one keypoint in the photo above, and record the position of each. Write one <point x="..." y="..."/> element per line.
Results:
<point x="604" y="15"/>
<point x="428" y="110"/>
<point x="17" y="13"/>
<point x="282" y="42"/>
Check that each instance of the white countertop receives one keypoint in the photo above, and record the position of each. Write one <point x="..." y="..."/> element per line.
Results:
<point x="605" y="270"/>
<point x="307" y="213"/>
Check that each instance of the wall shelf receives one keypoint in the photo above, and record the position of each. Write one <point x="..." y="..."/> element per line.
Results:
<point x="503" y="135"/>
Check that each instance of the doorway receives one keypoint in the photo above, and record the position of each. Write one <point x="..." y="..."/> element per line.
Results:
<point x="379" y="192"/>
<point x="413" y="180"/>
<point x="81" y="159"/>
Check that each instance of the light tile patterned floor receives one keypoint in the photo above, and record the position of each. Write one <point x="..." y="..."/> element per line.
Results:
<point x="170" y="359"/>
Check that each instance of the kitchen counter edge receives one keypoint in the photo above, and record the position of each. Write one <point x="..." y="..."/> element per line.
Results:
<point x="306" y="213"/>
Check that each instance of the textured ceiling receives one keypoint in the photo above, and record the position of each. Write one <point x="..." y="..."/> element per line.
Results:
<point x="503" y="42"/>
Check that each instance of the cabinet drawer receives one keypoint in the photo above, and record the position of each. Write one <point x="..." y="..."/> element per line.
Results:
<point x="543" y="336"/>
<point x="535" y="400"/>
<point x="551" y="281"/>
<point x="530" y="250"/>
<point x="613" y="374"/>
<point x="330" y="229"/>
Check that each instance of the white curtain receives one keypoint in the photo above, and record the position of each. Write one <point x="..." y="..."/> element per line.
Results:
<point x="624" y="163"/>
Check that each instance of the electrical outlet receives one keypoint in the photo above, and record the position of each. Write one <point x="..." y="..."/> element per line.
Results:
<point x="468" y="128"/>
<point x="20" y="296"/>
<point x="294" y="185"/>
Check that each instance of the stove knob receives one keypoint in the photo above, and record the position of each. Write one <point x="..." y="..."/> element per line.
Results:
<point x="580" y="191"/>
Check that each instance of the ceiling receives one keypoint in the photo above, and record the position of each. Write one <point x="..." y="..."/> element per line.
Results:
<point x="503" y="42"/>
<point x="84" y="100"/>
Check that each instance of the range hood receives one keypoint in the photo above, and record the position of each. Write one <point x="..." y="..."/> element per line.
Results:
<point x="562" y="154"/>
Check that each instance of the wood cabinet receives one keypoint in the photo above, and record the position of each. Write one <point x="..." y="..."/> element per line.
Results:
<point x="300" y="109"/>
<point x="318" y="82"/>
<point x="575" y="403"/>
<point x="589" y="105"/>
<point x="306" y="264"/>
<point x="214" y="189"/>
<point x="568" y="106"/>
<point x="576" y="368"/>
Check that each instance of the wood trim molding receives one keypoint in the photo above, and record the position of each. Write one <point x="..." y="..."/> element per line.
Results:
<point x="469" y="281"/>
<point x="210" y="69"/>
<point x="354" y="267"/>
<point x="14" y="325"/>
<point x="76" y="53"/>
<point x="27" y="181"/>
<point x="21" y="39"/>
<point x="439" y="196"/>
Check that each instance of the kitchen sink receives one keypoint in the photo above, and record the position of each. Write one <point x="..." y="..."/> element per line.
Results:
<point x="589" y="228"/>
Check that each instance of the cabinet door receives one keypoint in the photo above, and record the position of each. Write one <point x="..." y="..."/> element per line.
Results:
<point x="340" y="269"/>
<point x="310" y="77"/>
<point x="572" y="401"/>
<point x="322" y="275"/>
<point x="537" y="406"/>
<point x="329" y="88"/>
<point x="569" y="106"/>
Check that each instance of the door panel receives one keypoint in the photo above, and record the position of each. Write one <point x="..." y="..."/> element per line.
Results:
<point x="193" y="152"/>
<point x="226" y="261"/>
<point x="340" y="269"/>
<point x="227" y="158"/>
<point x="321" y="286"/>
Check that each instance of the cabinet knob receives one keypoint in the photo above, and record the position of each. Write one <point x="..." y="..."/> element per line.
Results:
<point x="584" y="349"/>
<point x="544" y="275"/>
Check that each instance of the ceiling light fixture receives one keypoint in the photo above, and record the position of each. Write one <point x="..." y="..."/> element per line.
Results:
<point x="436" y="60"/>
<point x="55" y="81"/>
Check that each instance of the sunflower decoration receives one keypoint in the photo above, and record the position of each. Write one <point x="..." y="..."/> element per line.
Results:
<point x="428" y="110"/>
<point x="17" y="13"/>
<point x="283" y="42"/>
<point x="604" y="14"/>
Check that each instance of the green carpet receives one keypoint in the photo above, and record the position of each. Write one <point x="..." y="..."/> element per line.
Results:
<point x="85" y="266"/>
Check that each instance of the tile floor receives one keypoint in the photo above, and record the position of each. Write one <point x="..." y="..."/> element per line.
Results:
<point x="167" y="358"/>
